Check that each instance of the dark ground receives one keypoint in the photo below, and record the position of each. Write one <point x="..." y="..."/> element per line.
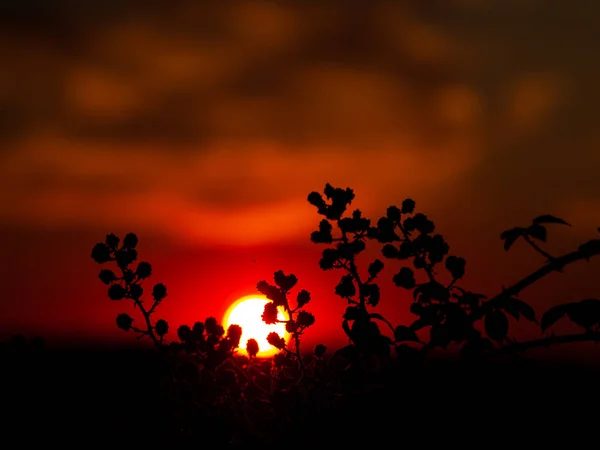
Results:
<point x="82" y="396"/>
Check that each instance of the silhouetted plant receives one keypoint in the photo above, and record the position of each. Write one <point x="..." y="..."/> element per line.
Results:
<point x="129" y="284"/>
<point x="297" y="320"/>
<point x="359" y="292"/>
<point x="448" y="310"/>
<point x="258" y="396"/>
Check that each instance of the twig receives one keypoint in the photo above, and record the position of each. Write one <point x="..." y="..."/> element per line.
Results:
<point x="555" y="265"/>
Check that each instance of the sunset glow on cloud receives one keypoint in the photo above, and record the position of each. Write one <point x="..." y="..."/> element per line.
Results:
<point x="203" y="127"/>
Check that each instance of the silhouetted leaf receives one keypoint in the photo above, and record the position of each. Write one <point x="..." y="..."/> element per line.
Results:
<point x="340" y="199"/>
<point x="273" y="293"/>
<point x="128" y="275"/>
<point x="420" y="262"/>
<point x="252" y="347"/>
<point x="161" y="327"/>
<point x="107" y="276"/>
<point x="547" y="218"/>
<point x="184" y="333"/>
<point x="130" y="240"/>
<point x="112" y="241"/>
<point x="234" y="334"/>
<point x="496" y="325"/>
<point x="517" y="308"/>
<point x="305" y="319"/>
<point x="318" y="237"/>
<point x="375" y="267"/>
<point x="553" y="315"/>
<point x="590" y="248"/>
<point x="385" y="230"/>
<point x="283" y="281"/>
<point x="405" y="278"/>
<point x="159" y="292"/>
<point x="101" y="253"/>
<point x="537" y="231"/>
<point x="116" y="292"/>
<point x="124" y="322"/>
<point x="275" y="340"/>
<point x="456" y="266"/>
<point x="135" y="290"/>
<point x="291" y="326"/>
<point x="408" y="206"/>
<point x="270" y="312"/>
<point x="378" y="316"/>
<point x="346" y="328"/>
<point x="345" y="287"/>
<point x="125" y="256"/>
<point x="316" y="199"/>
<point x="584" y="313"/>
<point x="389" y="251"/>
<point x="198" y="330"/>
<point x="354" y="224"/>
<point x="144" y="269"/>
<point x="302" y="298"/>
<point x="329" y="258"/>
<point x="393" y="213"/>
<point x="353" y="312"/>
<point x="371" y="292"/>
<point x="510" y="236"/>
<point x="320" y="350"/>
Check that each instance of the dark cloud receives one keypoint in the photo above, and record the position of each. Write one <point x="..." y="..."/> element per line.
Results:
<point x="493" y="101"/>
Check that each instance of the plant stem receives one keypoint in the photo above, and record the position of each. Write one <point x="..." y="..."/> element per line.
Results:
<point x="555" y="265"/>
<point x="148" y="322"/>
<point x="296" y="337"/>
<point x="545" y="254"/>
<point x="354" y="272"/>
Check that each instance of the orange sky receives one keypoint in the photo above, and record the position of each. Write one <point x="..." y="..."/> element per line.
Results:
<point x="203" y="129"/>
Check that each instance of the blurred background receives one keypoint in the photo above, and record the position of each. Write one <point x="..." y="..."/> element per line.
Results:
<point x="203" y="126"/>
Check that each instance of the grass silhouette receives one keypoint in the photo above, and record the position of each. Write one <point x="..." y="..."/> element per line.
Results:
<point x="208" y="392"/>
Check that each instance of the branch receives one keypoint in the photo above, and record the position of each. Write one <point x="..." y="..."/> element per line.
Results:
<point x="146" y="315"/>
<point x="429" y="268"/>
<point x="538" y="249"/>
<point x="586" y="251"/>
<point x="353" y="270"/>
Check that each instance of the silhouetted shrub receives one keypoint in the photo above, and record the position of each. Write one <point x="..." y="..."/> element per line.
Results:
<point x="265" y="397"/>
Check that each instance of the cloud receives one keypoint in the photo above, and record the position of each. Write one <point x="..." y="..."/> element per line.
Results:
<point x="169" y="118"/>
<point x="244" y="193"/>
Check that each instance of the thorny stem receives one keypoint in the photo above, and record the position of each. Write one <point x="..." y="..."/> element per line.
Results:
<point x="555" y="265"/>
<point x="406" y="234"/>
<point x="353" y="270"/>
<point x="296" y="337"/>
<point x="547" y="255"/>
<point x="146" y="315"/>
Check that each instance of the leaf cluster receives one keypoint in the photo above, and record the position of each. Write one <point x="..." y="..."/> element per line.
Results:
<point x="256" y="393"/>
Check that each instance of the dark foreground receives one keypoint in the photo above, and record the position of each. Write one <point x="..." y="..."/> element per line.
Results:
<point x="79" y="397"/>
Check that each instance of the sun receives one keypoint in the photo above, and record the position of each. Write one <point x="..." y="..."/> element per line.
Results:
<point x="246" y="312"/>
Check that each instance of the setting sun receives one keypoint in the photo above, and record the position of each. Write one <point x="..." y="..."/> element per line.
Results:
<point x="246" y="312"/>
